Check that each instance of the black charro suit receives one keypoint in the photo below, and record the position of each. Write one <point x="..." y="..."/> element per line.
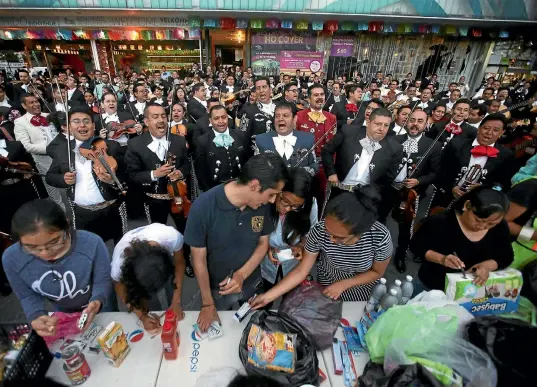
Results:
<point x="77" y="98"/>
<point x="215" y="165"/>
<point x="140" y="161"/>
<point x="106" y="222"/>
<point x="203" y="126"/>
<point x="468" y="131"/>
<point x="196" y="110"/>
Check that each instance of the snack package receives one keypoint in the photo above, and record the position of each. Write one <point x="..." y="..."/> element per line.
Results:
<point x="271" y="350"/>
<point x="114" y="344"/>
<point x="500" y="294"/>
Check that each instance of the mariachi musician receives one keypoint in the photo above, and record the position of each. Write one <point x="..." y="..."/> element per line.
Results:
<point x="320" y="123"/>
<point x="95" y="192"/>
<point x="258" y="118"/>
<point x="292" y="145"/>
<point x="445" y="131"/>
<point x="416" y="171"/>
<point x="155" y="160"/>
<point x="109" y="114"/>
<point x="470" y="161"/>
<point x="219" y="153"/>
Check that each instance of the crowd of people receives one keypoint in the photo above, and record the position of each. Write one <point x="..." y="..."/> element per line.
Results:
<point x="263" y="177"/>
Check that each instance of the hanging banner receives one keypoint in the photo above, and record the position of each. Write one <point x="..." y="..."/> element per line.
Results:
<point x="283" y="40"/>
<point x="308" y="62"/>
<point x="342" y="46"/>
<point x="94" y="21"/>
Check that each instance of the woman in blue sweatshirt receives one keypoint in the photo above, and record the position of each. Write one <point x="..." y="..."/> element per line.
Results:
<point x="51" y="262"/>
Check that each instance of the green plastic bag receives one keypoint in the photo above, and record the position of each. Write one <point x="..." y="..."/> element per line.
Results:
<point x="526" y="312"/>
<point x="410" y="323"/>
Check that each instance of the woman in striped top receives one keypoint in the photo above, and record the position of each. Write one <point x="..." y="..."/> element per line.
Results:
<point x="351" y="248"/>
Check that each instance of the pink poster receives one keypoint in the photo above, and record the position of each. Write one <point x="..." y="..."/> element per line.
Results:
<point x="309" y="62"/>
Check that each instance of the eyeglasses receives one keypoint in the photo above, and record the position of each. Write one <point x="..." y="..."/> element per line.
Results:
<point x="289" y="205"/>
<point x="340" y="240"/>
<point x="51" y="248"/>
<point x="77" y="121"/>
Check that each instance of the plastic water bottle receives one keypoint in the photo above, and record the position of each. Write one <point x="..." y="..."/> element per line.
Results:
<point x="397" y="287"/>
<point x="390" y="299"/>
<point x="377" y="293"/>
<point x="408" y="289"/>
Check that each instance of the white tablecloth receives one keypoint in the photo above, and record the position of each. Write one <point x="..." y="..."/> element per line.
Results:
<point x="352" y="312"/>
<point x="139" y="369"/>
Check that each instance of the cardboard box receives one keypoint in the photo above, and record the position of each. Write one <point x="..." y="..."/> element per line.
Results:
<point x="114" y="344"/>
<point x="499" y="295"/>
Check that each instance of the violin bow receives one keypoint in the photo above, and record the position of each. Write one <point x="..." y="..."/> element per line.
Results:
<point x="64" y="103"/>
<point x="333" y="130"/>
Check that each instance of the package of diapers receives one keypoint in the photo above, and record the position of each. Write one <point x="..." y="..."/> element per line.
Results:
<point x="499" y="295"/>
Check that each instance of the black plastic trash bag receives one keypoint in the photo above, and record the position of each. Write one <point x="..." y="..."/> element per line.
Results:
<point x="318" y="314"/>
<point x="306" y="363"/>
<point x="529" y="279"/>
<point x="414" y="375"/>
<point x="510" y="344"/>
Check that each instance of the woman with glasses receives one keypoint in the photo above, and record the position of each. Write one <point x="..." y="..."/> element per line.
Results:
<point x="52" y="264"/>
<point x="294" y="212"/>
<point x="352" y="250"/>
<point x="473" y="237"/>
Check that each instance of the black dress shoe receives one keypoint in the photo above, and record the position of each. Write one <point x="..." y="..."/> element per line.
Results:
<point x="189" y="271"/>
<point x="400" y="265"/>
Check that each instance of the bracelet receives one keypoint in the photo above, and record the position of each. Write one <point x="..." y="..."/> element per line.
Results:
<point x="525" y="234"/>
<point x="443" y="262"/>
<point x="207" y="305"/>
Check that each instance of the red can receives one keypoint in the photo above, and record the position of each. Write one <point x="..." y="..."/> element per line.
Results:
<point x="76" y="367"/>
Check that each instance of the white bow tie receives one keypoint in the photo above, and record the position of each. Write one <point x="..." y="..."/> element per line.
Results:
<point x="284" y="145"/>
<point x="159" y="147"/>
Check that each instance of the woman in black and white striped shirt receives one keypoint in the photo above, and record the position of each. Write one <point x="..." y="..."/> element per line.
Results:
<point x="351" y="248"/>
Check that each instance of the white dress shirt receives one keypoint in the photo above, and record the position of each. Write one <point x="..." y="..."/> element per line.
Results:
<point x="173" y="123"/>
<point x="204" y="103"/>
<point x="140" y="106"/>
<point x="159" y="101"/>
<point x="284" y="145"/>
<point x="404" y="171"/>
<point x="449" y="105"/>
<point x="5" y="103"/>
<point x="3" y="148"/>
<point x="158" y="146"/>
<point x="481" y="160"/>
<point x="86" y="190"/>
<point x="359" y="173"/>
<point x="60" y="107"/>
<point x="110" y="117"/>
<point x="70" y="93"/>
<point x="397" y="129"/>
<point x="268" y="108"/>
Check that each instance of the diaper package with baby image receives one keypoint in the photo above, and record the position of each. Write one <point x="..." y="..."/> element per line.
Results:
<point x="499" y="295"/>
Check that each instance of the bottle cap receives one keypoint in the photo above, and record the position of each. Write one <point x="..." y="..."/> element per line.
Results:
<point x="397" y="282"/>
<point x="170" y="314"/>
<point x="168" y="325"/>
<point x="409" y="278"/>
<point x="383" y="281"/>
<point x="393" y="292"/>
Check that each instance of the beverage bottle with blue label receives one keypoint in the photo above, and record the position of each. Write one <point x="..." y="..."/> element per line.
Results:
<point x="378" y="291"/>
<point x="407" y="289"/>
<point x="397" y="287"/>
<point x="390" y="299"/>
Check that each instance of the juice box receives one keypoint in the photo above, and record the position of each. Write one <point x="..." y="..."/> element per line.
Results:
<point x="499" y="295"/>
<point x="114" y="344"/>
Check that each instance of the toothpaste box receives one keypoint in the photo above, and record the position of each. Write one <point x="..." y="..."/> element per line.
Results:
<point x="499" y="295"/>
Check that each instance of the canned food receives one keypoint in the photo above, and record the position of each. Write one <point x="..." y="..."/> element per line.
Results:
<point x="76" y="367"/>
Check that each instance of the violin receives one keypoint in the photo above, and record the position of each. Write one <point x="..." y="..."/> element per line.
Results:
<point x="120" y="128"/>
<point x="17" y="167"/>
<point x="178" y="191"/>
<point x="179" y="129"/>
<point x="406" y="211"/>
<point x="95" y="149"/>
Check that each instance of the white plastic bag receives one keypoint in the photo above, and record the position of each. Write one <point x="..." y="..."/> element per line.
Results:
<point x="472" y="364"/>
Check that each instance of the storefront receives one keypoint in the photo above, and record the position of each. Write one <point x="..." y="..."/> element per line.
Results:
<point x="59" y="55"/>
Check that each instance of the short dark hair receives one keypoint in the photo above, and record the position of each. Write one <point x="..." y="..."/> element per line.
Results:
<point x="216" y="107"/>
<point x="253" y="380"/>
<point x="37" y="214"/>
<point x="268" y="168"/>
<point x="105" y="94"/>
<point x="494" y="117"/>
<point x="145" y="270"/>
<point x="213" y="100"/>
<point x="380" y="112"/>
<point x="23" y="71"/>
<point x="285" y="105"/>
<point x="262" y="79"/>
<point x="357" y="209"/>
<point x="503" y="88"/>
<point x="394" y="80"/>
<point x="441" y="104"/>
<point x="453" y="83"/>
<point x="489" y="88"/>
<point x="197" y="87"/>
<point x="150" y="105"/>
<point x="82" y="109"/>
<point x="377" y="101"/>
<point x="482" y="109"/>
<point x="136" y="86"/>
<point x="25" y="96"/>
<point x="374" y="90"/>
<point x="349" y="89"/>
<point x="484" y="202"/>
<point x="289" y="85"/>
<point x="314" y="86"/>
<point x="461" y="101"/>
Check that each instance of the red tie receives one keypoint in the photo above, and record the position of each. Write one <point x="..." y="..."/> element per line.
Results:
<point x="39" y="121"/>
<point x="453" y="128"/>
<point x="484" y="150"/>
